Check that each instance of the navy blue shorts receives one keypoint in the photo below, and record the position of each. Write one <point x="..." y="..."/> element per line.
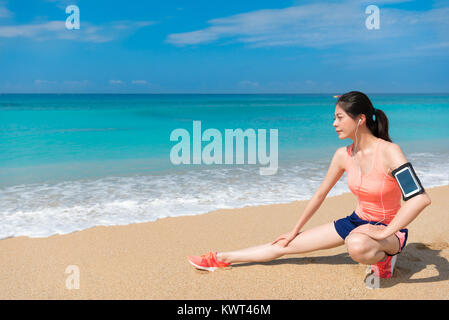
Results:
<point x="345" y="225"/>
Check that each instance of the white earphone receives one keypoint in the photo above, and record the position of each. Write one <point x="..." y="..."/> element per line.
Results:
<point x="360" y="171"/>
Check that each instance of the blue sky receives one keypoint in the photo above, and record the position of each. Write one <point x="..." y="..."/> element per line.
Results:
<point x="224" y="47"/>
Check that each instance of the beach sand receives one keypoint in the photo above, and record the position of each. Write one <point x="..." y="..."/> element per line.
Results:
<point x="149" y="260"/>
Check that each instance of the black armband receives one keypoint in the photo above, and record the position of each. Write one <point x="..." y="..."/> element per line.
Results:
<point x="408" y="181"/>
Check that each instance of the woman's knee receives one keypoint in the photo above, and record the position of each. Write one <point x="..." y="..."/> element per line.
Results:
<point x="359" y="247"/>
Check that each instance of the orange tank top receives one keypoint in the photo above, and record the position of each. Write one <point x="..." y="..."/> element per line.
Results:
<point x="378" y="194"/>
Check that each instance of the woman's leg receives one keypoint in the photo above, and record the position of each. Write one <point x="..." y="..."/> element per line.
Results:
<point x="366" y="250"/>
<point x="318" y="238"/>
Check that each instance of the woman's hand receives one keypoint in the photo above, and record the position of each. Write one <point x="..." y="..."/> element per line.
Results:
<point x="377" y="232"/>
<point x="288" y="237"/>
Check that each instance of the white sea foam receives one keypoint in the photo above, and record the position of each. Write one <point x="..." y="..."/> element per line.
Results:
<point x="40" y="210"/>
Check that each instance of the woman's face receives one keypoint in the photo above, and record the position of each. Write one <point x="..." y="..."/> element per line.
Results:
<point x="343" y="123"/>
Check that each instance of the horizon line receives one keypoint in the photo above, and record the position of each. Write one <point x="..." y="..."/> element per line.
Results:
<point x="202" y="93"/>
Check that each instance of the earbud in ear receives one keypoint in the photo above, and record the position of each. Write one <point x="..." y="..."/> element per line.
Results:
<point x="359" y="121"/>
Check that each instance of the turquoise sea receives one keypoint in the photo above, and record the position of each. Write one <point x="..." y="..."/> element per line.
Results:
<point x="69" y="162"/>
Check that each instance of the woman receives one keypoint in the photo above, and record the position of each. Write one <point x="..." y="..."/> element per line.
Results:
<point x="374" y="233"/>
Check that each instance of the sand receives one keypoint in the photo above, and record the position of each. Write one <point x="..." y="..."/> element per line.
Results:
<point x="148" y="260"/>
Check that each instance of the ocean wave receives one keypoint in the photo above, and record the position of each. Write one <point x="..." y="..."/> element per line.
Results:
<point x="40" y="210"/>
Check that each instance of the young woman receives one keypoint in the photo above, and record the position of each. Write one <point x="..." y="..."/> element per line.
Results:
<point x="374" y="233"/>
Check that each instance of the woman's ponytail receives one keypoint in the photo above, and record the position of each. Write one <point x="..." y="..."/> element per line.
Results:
<point x="380" y="128"/>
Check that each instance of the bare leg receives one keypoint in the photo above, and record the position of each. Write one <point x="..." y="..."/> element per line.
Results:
<point x="367" y="250"/>
<point x="318" y="238"/>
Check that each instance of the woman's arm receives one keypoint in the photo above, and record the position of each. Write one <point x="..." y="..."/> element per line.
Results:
<point x="412" y="207"/>
<point x="408" y="212"/>
<point x="334" y="173"/>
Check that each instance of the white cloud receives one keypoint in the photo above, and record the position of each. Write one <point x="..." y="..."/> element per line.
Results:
<point x="116" y="82"/>
<point x="140" y="82"/>
<point x="312" y="25"/>
<point x="306" y="24"/>
<point x="63" y="3"/>
<point x="43" y="82"/>
<point x="127" y="24"/>
<point x="63" y="82"/>
<point x="88" y="32"/>
<point x="436" y="45"/>
<point x="31" y="30"/>
<point x="76" y="82"/>
<point x="4" y="11"/>
<point x="248" y="83"/>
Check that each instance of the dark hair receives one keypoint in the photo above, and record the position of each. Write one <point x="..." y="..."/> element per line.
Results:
<point x="355" y="103"/>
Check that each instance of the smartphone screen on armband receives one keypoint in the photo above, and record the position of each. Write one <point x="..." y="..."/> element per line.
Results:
<point x="408" y="181"/>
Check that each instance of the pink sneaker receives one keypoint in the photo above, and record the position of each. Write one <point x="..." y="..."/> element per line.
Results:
<point x="207" y="262"/>
<point x="384" y="269"/>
